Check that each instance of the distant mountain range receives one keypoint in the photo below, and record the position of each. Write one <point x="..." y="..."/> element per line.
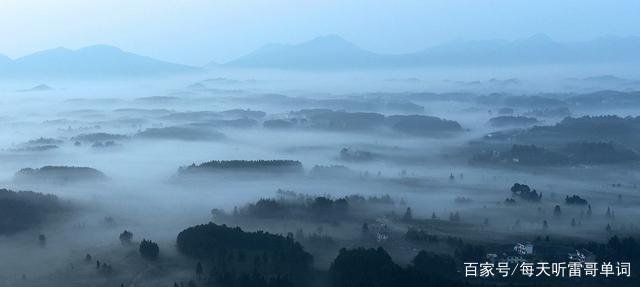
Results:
<point x="92" y="61"/>
<point x="328" y="53"/>
<point x="322" y="52"/>
<point x="334" y="52"/>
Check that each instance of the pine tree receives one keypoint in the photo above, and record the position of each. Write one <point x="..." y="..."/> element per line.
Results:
<point x="199" y="270"/>
<point x="125" y="237"/>
<point x="149" y="249"/>
<point x="408" y="215"/>
<point x="365" y="228"/>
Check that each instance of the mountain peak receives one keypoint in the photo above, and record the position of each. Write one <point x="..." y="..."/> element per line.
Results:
<point x="100" y="48"/>
<point x="331" y="42"/>
<point x="95" y="60"/>
<point x="324" y="52"/>
<point x="330" y="38"/>
<point x="334" y="52"/>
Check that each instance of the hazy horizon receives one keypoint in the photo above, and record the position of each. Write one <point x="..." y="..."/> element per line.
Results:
<point x="198" y="32"/>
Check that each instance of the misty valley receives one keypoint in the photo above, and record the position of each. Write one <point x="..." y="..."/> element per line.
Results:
<point x="272" y="179"/>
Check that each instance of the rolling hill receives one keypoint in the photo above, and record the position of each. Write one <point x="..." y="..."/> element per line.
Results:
<point x="91" y="61"/>
<point x="334" y="52"/>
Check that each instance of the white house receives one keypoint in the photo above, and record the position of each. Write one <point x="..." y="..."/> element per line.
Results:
<point x="524" y="248"/>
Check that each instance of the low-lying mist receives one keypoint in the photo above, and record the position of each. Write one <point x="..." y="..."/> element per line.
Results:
<point x="270" y="151"/>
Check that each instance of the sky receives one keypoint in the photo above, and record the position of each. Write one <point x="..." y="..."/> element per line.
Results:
<point x="197" y="32"/>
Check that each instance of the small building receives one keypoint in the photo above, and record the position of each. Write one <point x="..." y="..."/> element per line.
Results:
<point x="581" y="255"/>
<point x="382" y="237"/>
<point x="524" y="248"/>
<point x="381" y="230"/>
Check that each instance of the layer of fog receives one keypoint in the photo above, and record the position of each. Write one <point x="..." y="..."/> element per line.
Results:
<point x="140" y="195"/>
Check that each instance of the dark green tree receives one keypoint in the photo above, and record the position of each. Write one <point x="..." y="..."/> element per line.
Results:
<point x="408" y="215"/>
<point x="125" y="237"/>
<point x="199" y="270"/>
<point x="149" y="249"/>
<point x="557" y="211"/>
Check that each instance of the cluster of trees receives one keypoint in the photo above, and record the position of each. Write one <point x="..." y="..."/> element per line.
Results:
<point x="616" y="249"/>
<point x="125" y="237"/>
<point x="39" y="144"/>
<point x="559" y="112"/>
<point x="419" y="235"/>
<point x="266" y="166"/>
<point x="576" y="200"/>
<point x="180" y="133"/>
<point x="35" y="148"/>
<point x="104" y="268"/>
<point x="149" y="249"/>
<point x="59" y="174"/>
<point x="573" y="153"/>
<point x="503" y="121"/>
<point x="361" y="200"/>
<point x="589" y="128"/>
<point x="524" y="192"/>
<point x="313" y="208"/>
<point x="43" y="141"/>
<point x="98" y="137"/>
<point x="341" y="120"/>
<point x="374" y="267"/>
<point x="349" y="121"/>
<point x="316" y="209"/>
<point x="598" y="153"/>
<point x="25" y="209"/>
<point x="520" y="155"/>
<point x="226" y="249"/>
<point x="422" y="125"/>
<point x="105" y="144"/>
<point x="454" y="216"/>
<point x="348" y="154"/>
<point x="238" y="258"/>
